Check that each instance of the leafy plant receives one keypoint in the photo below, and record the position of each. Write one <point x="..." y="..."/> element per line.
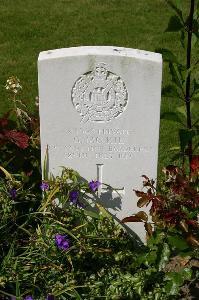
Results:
<point x="172" y="227"/>
<point x="174" y="207"/>
<point x="184" y="76"/>
<point x="65" y="244"/>
<point x="19" y="137"/>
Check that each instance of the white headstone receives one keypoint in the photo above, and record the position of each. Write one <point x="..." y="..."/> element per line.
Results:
<point x="99" y="114"/>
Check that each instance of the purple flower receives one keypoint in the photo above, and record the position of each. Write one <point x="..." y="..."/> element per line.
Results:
<point x="93" y="185"/>
<point x="13" y="193"/>
<point x="62" y="241"/>
<point x="73" y="196"/>
<point x="50" y="297"/>
<point x="28" y="297"/>
<point x="44" y="186"/>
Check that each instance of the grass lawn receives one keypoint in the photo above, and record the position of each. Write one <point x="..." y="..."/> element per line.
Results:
<point x="30" y="26"/>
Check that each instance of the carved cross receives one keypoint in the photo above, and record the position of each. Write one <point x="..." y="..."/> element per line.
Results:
<point x="101" y="189"/>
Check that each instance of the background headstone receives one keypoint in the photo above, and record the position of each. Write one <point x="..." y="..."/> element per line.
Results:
<point x="99" y="114"/>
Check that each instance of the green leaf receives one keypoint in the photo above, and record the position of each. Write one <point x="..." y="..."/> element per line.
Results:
<point x="18" y="294"/>
<point x="182" y="110"/>
<point x="49" y="198"/>
<point x="150" y="258"/>
<point x="186" y="274"/>
<point x="195" y="85"/>
<point x="103" y="211"/>
<point x="6" y="173"/>
<point x="176" y="156"/>
<point x="146" y="258"/>
<point x="176" y="76"/>
<point x="156" y="239"/>
<point x="175" y="280"/>
<point x="78" y="297"/>
<point x="192" y="106"/>
<point x="195" y="93"/>
<point x="91" y="214"/>
<point x="167" y="55"/>
<point x="194" y="42"/>
<point x="177" y="7"/>
<point x="195" y="96"/>
<point x="174" y="25"/>
<point x="182" y="38"/>
<point x="197" y="10"/>
<point x="186" y="136"/>
<point x="178" y="4"/>
<point x="191" y="70"/>
<point x="170" y="91"/>
<point x="45" y="165"/>
<point x="174" y="148"/>
<point x="195" y="25"/>
<point x="176" y="277"/>
<point x="164" y="256"/>
<point x="172" y="116"/>
<point x="178" y="242"/>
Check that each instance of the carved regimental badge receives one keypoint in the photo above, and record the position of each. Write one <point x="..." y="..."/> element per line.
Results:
<point x="99" y="95"/>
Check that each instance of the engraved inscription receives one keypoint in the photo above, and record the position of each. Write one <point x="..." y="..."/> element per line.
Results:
<point x="100" y="179"/>
<point x="102" y="144"/>
<point x="99" y="95"/>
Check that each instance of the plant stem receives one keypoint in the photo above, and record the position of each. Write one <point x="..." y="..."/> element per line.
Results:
<point x="15" y="109"/>
<point x="188" y="80"/>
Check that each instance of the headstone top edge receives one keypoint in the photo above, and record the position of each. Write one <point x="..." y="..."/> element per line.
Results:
<point x="99" y="50"/>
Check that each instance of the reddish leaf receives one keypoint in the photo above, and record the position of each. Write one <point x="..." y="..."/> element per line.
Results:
<point x="193" y="223"/>
<point x="147" y="182"/>
<point x="139" y="193"/>
<point x="192" y="240"/>
<point x="142" y="215"/>
<point x="29" y="173"/>
<point x="184" y="226"/>
<point x="4" y="119"/>
<point x="2" y="137"/>
<point x="155" y="218"/>
<point x="195" y="163"/>
<point x="143" y="201"/>
<point x="171" y="170"/>
<point x="149" y="229"/>
<point x="145" y="177"/>
<point x="139" y="217"/>
<point x="131" y="219"/>
<point x="158" y="203"/>
<point x="3" y="122"/>
<point x="19" y="138"/>
<point x="173" y="216"/>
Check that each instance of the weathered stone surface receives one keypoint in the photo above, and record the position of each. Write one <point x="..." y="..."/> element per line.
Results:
<point x="99" y="114"/>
